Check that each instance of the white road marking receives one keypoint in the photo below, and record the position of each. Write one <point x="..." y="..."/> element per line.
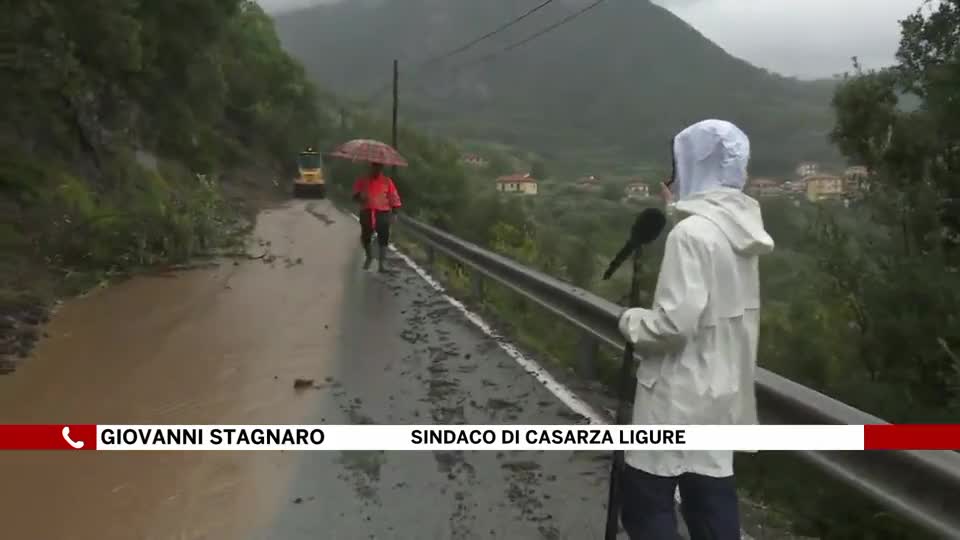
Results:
<point x="561" y="392"/>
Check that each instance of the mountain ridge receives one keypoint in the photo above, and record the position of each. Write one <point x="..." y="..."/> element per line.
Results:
<point x="625" y="76"/>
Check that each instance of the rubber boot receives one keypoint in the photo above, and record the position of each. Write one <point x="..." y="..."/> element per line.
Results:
<point x="381" y="258"/>
<point x="368" y="250"/>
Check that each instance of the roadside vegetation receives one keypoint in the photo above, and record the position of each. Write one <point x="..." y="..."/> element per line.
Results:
<point x="135" y="135"/>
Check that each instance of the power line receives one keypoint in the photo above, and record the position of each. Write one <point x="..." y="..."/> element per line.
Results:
<point x="493" y="33"/>
<point x="528" y="39"/>
<point x="553" y="27"/>
<point x="469" y="44"/>
<point x="521" y="43"/>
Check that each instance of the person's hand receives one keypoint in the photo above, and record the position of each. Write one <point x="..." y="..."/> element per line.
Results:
<point x="625" y="324"/>
<point x="394" y="216"/>
<point x="666" y="194"/>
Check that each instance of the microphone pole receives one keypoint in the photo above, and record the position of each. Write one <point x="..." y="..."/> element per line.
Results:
<point x="646" y="229"/>
<point x="628" y="367"/>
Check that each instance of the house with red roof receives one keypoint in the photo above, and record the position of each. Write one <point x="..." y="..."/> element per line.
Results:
<point x="517" y="183"/>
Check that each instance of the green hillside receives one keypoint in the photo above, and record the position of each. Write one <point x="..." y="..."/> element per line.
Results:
<point x="621" y="79"/>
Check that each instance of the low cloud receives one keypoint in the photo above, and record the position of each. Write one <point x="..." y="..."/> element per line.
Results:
<point x="275" y="6"/>
<point x="809" y="38"/>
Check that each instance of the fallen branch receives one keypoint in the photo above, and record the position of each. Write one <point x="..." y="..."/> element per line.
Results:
<point x="241" y="255"/>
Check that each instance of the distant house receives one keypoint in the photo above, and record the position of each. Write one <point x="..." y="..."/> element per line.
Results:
<point x="517" y="183"/>
<point x="588" y="183"/>
<point x="791" y="187"/>
<point x="636" y="191"/>
<point x="824" y="187"/>
<point x="807" y="168"/>
<point x="764" y="187"/>
<point x="859" y="170"/>
<point x="474" y="160"/>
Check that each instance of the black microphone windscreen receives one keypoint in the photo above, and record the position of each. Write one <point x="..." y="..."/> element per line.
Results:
<point x="647" y="227"/>
<point x="650" y="223"/>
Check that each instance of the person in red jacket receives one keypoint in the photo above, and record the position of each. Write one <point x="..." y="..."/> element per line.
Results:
<point x="379" y="202"/>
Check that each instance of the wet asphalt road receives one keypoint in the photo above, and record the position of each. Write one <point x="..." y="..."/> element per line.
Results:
<point x="406" y="356"/>
<point x="224" y="345"/>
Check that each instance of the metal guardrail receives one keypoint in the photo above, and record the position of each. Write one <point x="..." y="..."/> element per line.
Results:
<point x="922" y="487"/>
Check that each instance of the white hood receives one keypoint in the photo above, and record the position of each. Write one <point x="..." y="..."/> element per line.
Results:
<point x="708" y="155"/>
<point x="711" y="159"/>
<point x="736" y="214"/>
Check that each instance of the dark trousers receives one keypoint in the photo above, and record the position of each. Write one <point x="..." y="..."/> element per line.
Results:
<point x="708" y="505"/>
<point x="382" y="228"/>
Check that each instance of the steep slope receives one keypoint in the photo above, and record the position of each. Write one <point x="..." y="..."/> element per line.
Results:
<point x="132" y="133"/>
<point x="622" y="78"/>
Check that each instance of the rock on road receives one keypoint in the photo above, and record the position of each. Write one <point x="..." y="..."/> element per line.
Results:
<point x="225" y="345"/>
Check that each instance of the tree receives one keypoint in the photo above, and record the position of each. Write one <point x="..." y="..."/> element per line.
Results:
<point x="499" y="165"/>
<point x="202" y="86"/>
<point x="539" y="170"/>
<point x="905" y="255"/>
<point x="612" y="191"/>
<point x="862" y="306"/>
<point x="549" y="245"/>
<point x="581" y="263"/>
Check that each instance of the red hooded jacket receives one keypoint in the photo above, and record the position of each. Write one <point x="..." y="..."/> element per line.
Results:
<point x="379" y="195"/>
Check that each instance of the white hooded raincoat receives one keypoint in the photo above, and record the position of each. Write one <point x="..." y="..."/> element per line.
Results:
<point x="699" y="341"/>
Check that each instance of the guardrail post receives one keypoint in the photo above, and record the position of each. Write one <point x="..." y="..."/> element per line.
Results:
<point x="431" y="258"/>
<point x="476" y="286"/>
<point x="587" y="354"/>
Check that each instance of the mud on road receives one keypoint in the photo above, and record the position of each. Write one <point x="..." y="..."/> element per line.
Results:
<point x="225" y="344"/>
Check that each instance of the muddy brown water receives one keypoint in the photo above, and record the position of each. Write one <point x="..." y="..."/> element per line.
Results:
<point x="220" y="345"/>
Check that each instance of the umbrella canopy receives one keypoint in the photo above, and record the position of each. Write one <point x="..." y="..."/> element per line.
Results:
<point x="370" y="151"/>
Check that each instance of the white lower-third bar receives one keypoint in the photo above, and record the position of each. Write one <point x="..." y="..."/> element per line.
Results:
<point x="500" y="437"/>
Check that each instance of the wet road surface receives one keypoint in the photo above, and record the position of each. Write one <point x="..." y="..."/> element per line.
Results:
<point x="224" y="345"/>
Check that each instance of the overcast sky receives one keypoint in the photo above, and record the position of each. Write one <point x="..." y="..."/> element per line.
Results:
<point x="805" y="38"/>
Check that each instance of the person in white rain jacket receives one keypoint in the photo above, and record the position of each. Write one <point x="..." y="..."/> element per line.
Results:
<point x="698" y="342"/>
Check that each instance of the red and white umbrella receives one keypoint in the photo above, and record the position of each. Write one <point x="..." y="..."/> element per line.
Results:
<point x="370" y="151"/>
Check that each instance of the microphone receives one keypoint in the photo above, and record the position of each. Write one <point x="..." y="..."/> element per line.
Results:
<point x="648" y="226"/>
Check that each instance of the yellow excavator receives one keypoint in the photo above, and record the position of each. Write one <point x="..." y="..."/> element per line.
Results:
<point x="311" y="181"/>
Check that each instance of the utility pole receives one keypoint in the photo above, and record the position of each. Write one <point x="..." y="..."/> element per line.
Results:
<point x="396" y="105"/>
